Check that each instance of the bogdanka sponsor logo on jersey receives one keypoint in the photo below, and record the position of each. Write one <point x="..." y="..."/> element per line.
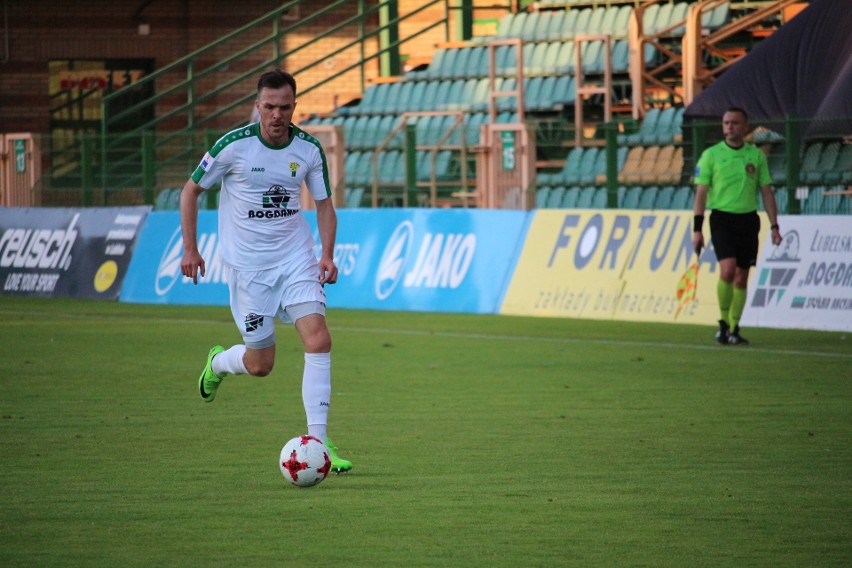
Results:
<point x="441" y="260"/>
<point x="274" y="202"/>
<point x="168" y="271"/>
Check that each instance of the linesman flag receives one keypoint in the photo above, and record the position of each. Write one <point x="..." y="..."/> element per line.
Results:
<point x="687" y="286"/>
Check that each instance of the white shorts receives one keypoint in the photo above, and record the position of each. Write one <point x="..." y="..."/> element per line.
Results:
<point x="288" y="292"/>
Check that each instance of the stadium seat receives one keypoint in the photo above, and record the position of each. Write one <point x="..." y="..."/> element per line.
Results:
<point x="682" y="198"/>
<point x="571" y="197"/>
<point x="587" y="167"/>
<point x="826" y="164"/>
<point x="842" y="171"/>
<point x="541" y="195"/>
<point x="813" y="204"/>
<point x="781" y="199"/>
<point x="353" y="197"/>
<point x="648" y="197"/>
<point x="164" y="200"/>
<point x="631" y="164"/>
<point x="631" y="197"/>
<point x="810" y="160"/>
<point x="664" y="197"/>
<point x="585" y="197"/>
<point x="647" y="129"/>
<point x="599" y="201"/>
<point x="556" y="25"/>
<point x="554" y="199"/>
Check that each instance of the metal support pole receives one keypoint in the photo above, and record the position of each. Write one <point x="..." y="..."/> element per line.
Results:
<point x="411" y="164"/>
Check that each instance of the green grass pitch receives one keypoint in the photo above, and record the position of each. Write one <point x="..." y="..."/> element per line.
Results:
<point x="476" y="441"/>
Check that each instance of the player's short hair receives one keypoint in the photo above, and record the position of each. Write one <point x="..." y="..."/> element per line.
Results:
<point x="732" y="109"/>
<point x="276" y="79"/>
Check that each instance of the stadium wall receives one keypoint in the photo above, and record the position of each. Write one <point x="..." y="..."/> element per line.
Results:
<point x="37" y="32"/>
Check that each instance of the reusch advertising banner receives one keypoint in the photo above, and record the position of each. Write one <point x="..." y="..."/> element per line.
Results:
<point x="388" y="259"/>
<point x="67" y="252"/>
<point x="619" y="265"/>
<point x="806" y="283"/>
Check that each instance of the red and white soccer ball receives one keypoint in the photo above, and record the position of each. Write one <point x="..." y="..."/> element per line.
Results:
<point x="304" y="461"/>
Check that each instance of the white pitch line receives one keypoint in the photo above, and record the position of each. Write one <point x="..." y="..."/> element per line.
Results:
<point x="574" y="341"/>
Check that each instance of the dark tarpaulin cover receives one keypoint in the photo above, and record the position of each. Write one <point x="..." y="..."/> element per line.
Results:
<point x="804" y="70"/>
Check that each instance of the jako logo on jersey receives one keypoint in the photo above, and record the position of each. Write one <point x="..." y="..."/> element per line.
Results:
<point x="390" y="268"/>
<point x="258" y="169"/>
<point x="294" y="167"/>
<point x="442" y="261"/>
<point x="168" y="271"/>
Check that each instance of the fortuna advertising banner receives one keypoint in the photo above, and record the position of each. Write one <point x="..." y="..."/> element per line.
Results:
<point x="81" y="253"/>
<point x="806" y="282"/>
<point x="619" y="265"/>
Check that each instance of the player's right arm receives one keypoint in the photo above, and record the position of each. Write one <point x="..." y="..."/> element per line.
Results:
<point x="192" y="263"/>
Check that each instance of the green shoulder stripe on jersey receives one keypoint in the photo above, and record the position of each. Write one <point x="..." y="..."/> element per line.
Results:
<point x="298" y="132"/>
<point x="237" y="134"/>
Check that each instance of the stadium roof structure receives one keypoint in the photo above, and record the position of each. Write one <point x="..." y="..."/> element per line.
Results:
<point x="802" y="70"/>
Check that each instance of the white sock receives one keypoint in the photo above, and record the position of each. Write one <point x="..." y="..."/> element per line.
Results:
<point x="230" y="361"/>
<point x="316" y="392"/>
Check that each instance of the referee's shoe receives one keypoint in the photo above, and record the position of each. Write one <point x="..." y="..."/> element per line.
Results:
<point x="723" y="336"/>
<point x="735" y="338"/>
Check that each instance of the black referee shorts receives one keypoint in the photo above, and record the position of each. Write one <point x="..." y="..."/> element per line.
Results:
<point x="735" y="235"/>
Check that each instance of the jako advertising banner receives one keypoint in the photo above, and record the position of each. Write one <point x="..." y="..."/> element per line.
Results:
<point x="81" y="253"/>
<point x="388" y="259"/>
<point x="806" y="283"/>
<point x="620" y="265"/>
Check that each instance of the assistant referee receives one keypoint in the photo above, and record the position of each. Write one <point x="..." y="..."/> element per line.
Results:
<point x="727" y="180"/>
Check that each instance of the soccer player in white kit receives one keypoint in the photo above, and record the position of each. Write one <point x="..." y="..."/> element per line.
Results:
<point x="267" y="248"/>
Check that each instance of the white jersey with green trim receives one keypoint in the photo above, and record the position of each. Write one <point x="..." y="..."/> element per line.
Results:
<point x="260" y="223"/>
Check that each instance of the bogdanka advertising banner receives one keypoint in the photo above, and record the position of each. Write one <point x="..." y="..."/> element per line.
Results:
<point x="806" y="283"/>
<point x="80" y="253"/>
<point x="619" y="265"/>
<point x="388" y="259"/>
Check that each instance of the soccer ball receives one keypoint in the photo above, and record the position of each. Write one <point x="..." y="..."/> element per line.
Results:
<point x="304" y="461"/>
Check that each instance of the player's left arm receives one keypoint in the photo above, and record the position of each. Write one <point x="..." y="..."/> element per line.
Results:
<point x="772" y="212"/>
<point x="327" y="225"/>
<point x="769" y="203"/>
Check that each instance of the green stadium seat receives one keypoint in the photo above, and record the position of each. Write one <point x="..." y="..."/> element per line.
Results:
<point x="810" y="160"/>
<point x="664" y="197"/>
<point x="541" y="195"/>
<point x="556" y="25"/>
<point x="682" y="198"/>
<point x="599" y="201"/>
<point x="842" y="171"/>
<point x="825" y="165"/>
<point x="648" y="197"/>
<point x="781" y="199"/>
<point x="554" y="199"/>
<point x="631" y="197"/>
<point x="813" y="204"/>
<point x="354" y="196"/>
<point x="585" y="197"/>
<point x="571" y="197"/>
<point x="586" y="172"/>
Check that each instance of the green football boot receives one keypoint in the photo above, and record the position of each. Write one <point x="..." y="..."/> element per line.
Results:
<point x="338" y="464"/>
<point x="209" y="381"/>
